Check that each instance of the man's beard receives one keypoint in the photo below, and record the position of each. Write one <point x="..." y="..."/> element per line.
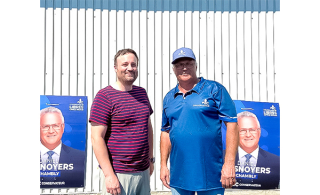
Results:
<point x="130" y="81"/>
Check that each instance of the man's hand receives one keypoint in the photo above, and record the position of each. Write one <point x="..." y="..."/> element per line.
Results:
<point x="165" y="176"/>
<point x="232" y="140"/>
<point x="100" y="149"/>
<point x="113" y="185"/>
<point x="228" y="175"/>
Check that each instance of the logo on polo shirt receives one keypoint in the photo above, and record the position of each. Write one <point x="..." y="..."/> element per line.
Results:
<point x="205" y="103"/>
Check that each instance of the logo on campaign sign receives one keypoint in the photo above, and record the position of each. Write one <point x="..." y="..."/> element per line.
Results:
<point x="246" y="185"/>
<point x="78" y="106"/>
<point x="270" y="112"/>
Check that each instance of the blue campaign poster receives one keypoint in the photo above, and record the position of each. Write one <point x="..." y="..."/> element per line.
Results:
<point x="63" y="131"/>
<point x="258" y="158"/>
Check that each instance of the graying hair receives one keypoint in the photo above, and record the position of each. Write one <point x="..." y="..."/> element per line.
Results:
<point x="51" y="110"/>
<point x="248" y="114"/>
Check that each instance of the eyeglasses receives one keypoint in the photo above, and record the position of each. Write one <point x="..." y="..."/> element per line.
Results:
<point x="182" y="65"/>
<point x="252" y="131"/>
<point x="56" y="127"/>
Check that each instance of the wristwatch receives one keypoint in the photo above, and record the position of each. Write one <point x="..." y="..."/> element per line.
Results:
<point x="152" y="160"/>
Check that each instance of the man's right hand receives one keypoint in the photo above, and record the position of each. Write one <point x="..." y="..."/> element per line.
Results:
<point x="165" y="176"/>
<point x="113" y="185"/>
<point x="100" y="149"/>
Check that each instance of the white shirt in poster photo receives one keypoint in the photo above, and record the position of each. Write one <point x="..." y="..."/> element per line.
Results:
<point x="253" y="160"/>
<point x="44" y="155"/>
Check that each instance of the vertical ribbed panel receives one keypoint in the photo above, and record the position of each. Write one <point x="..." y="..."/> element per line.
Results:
<point x="234" y="48"/>
<point x="167" y="5"/>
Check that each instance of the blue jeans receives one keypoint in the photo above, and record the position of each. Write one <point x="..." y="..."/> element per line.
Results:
<point x="178" y="191"/>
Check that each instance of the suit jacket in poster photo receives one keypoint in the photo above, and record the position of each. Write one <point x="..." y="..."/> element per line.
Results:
<point x="71" y="178"/>
<point x="267" y="170"/>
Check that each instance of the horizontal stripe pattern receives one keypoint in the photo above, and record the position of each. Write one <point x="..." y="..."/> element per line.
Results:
<point x="126" y="115"/>
<point x="167" y="5"/>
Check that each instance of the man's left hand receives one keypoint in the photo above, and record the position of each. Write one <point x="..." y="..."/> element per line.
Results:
<point x="228" y="178"/>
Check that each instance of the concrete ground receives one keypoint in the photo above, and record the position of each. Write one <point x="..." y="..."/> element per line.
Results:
<point x="236" y="192"/>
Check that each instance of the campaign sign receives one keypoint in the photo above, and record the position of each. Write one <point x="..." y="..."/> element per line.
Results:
<point x="257" y="162"/>
<point x="63" y="130"/>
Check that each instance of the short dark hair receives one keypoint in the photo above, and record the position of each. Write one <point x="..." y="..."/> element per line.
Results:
<point x="123" y="52"/>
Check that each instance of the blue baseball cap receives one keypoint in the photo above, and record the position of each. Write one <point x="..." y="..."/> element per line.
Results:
<point x="182" y="52"/>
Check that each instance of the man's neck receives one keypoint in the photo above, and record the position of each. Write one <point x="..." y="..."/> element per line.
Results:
<point x="122" y="86"/>
<point x="186" y="86"/>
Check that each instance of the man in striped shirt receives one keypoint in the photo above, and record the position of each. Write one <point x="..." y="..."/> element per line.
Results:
<point x="121" y="131"/>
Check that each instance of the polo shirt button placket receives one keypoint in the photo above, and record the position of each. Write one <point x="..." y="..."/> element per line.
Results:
<point x="184" y="96"/>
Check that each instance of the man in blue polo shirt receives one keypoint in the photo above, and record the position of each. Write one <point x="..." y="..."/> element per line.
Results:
<point x="191" y="132"/>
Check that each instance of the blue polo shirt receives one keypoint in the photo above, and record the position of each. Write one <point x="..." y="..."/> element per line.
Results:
<point x="194" y="123"/>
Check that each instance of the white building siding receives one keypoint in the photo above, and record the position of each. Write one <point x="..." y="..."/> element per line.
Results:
<point x="236" y="48"/>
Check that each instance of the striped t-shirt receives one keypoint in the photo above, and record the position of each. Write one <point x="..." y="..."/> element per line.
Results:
<point x="126" y="114"/>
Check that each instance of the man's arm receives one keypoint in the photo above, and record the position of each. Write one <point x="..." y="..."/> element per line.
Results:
<point x="98" y="133"/>
<point x="232" y="141"/>
<point x="165" y="148"/>
<point x="150" y="134"/>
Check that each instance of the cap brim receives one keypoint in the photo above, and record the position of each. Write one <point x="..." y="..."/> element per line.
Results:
<point x="177" y="59"/>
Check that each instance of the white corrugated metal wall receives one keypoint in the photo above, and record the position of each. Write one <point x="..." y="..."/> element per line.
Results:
<point x="233" y="40"/>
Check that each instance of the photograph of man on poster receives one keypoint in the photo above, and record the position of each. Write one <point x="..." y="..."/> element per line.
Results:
<point x="255" y="167"/>
<point x="60" y="165"/>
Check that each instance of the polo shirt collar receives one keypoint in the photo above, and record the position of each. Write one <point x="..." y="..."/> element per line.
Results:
<point x="196" y="88"/>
